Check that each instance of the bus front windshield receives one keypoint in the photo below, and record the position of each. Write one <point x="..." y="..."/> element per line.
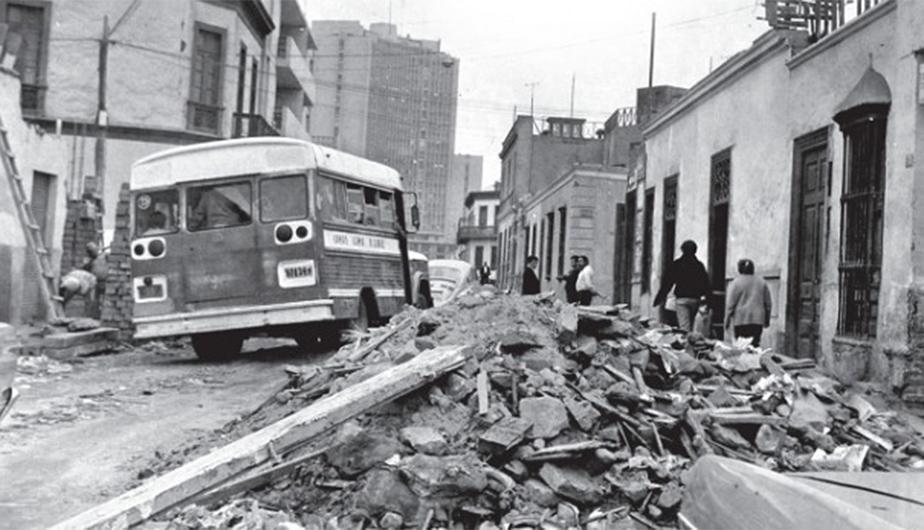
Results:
<point x="156" y="212"/>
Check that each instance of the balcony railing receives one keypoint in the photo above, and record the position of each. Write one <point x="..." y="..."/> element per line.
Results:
<point x="818" y="17"/>
<point x="248" y="125"/>
<point x="469" y="232"/>
<point x="32" y="98"/>
<point x="203" y="117"/>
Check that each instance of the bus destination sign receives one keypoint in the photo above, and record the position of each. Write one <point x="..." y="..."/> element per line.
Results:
<point x="363" y="243"/>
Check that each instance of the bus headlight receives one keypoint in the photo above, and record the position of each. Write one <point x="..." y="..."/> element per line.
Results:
<point x="292" y="232"/>
<point x="149" y="248"/>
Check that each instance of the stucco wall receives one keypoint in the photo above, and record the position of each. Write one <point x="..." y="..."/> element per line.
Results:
<point x="759" y="115"/>
<point x="35" y="150"/>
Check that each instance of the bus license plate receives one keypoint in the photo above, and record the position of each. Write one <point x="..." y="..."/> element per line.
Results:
<point x="150" y="291"/>
<point x="298" y="273"/>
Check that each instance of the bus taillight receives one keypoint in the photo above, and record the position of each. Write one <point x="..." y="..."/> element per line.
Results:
<point x="292" y="232"/>
<point x="149" y="248"/>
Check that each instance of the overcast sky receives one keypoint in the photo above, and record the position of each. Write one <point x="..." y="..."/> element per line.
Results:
<point x="505" y="44"/>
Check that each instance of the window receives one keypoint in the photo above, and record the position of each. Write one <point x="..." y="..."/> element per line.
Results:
<point x="28" y="21"/>
<point x="386" y="209"/>
<point x="647" y="241"/>
<point x="562" y="231"/>
<point x="861" y="225"/>
<point x="493" y="263"/>
<point x="483" y="216"/>
<point x="549" y="242"/>
<point x="218" y="206"/>
<point x="342" y="202"/>
<point x="283" y="198"/>
<point x="371" y="207"/>
<point x="541" y="243"/>
<point x="156" y="212"/>
<point x="205" y="90"/>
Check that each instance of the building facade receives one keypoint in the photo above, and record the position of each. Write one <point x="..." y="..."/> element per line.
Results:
<point x="477" y="230"/>
<point x="535" y="153"/>
<point x="576" y="216"/>
<point x="41" y="159"/>
<point x="392" y="99"/>
<point x="464" y="178"/>
<point x="803" y="153"/>
<point x="173" y="72"/>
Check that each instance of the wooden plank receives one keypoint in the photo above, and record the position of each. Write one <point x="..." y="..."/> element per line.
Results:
<point x="746" y="419"/>
<point x="374" y="344"/>
<point x="76" y="338"/>
<point x="483" y="398"/>
<point x="176" y="487"/>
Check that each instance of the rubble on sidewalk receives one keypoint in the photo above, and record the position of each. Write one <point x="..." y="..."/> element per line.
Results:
<point x="606" y="430"/>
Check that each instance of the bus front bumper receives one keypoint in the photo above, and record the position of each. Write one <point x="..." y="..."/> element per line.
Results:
<point x="231" y="318"/>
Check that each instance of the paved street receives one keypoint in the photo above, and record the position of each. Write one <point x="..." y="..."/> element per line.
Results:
<point x="77" y="438"/>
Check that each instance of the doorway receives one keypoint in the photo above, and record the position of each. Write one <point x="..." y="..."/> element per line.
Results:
<point x="719" y="198"/>
<point x="668" y="238"/>
<point x="807" y="236"/>
<point x="629" y="242"/>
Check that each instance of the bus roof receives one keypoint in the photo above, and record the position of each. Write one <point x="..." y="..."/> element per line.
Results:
<point x="249" y="156"/>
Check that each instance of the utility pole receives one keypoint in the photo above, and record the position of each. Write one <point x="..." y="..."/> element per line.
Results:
<point x="572" y="95"/>
<point x="532" y="94"/>
<point x="102" y="119"/>
<point x="650" y="69"/>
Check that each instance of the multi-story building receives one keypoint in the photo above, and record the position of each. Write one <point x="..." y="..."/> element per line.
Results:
<point x="803" y="153"/>
<point x="391" y="99"/>
<point x="477" y="229"/>
<point x="464" y="178"/>
<point x="169" y="72"/>
<point x="535" y="153"/>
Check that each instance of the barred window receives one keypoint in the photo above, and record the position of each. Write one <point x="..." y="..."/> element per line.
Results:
<point x="861" y="226"/>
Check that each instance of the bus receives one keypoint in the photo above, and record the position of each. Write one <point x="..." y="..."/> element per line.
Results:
<point x="266" y="236"/>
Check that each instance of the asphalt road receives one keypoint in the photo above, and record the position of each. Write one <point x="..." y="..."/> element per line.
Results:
<point x="77" y="438"/>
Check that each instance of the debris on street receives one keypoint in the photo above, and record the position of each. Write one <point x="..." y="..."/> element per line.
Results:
<point x="540" y="414"/>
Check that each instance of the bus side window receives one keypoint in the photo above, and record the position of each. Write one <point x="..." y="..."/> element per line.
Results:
<point x="355" y="203"/>
<point x="371" y="206"/>
<point x="386" y="208"/>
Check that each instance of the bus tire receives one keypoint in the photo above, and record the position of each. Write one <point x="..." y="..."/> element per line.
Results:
<point x="217" y="346"/>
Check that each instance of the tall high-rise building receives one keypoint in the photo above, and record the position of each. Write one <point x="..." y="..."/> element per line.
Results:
<point x="391" y="99"/>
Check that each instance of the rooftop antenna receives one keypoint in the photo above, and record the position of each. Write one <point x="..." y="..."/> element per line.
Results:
<point x="389" y="12"/>
<point x="532" y="94"/>
<point x="572" y="94"/>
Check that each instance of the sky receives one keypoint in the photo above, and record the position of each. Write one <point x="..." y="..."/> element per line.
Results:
<point x="505" y="45"/>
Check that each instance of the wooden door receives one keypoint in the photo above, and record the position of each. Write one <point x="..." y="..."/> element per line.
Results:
<point x="812" y="177"/>
<point x="720" y="197"/>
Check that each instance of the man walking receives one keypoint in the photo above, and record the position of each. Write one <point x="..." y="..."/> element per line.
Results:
<point x="687" y="276"/>
<point x="530" y="279"/>
<point x="484" y="273"/>
<point x="585" y="283"/>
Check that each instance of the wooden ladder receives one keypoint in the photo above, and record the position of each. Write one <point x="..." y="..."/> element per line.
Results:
<point x="30" y="227"/>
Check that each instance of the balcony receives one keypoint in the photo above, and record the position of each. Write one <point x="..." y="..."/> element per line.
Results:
<point x="293" y="71"/>
<point x="203" y="117"/>
<point x="469" y="232"/>
<point x="249" y="125"/>
<point x="32" y="99"/>
<point x="289" y="125"/>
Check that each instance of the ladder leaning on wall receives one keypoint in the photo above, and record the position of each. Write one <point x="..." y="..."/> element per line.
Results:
<point x="30" y="227"/>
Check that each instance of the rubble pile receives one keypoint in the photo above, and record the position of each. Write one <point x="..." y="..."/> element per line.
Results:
<point x="561" y="417"/>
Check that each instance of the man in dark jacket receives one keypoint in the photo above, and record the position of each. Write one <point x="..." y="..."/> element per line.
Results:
<point x="530" y="279"/>
<point x="570" y="280"/>
<point x="687" y="276"/>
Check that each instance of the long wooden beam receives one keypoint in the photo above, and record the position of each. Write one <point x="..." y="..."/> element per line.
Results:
<point x="193" y="478"/>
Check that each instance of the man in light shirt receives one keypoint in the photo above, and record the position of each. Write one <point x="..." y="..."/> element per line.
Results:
<point x="585" y="283"/>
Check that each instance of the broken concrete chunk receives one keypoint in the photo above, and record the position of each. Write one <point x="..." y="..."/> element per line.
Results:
<point x="769" y="440"/>
<point x="843" y="458"/>
<point x="536" y="491"/>
<point x="568" y="323"/>
<point x="361" y="452"/>
<point x="722" y="398"/>
<point x="584" y="414"/>
<point x="517" y="342"/>
<point x="444" y="476"/>
<point x="542" y="359"/>
<point x="573" y="484"/>
<point x="517" y="470"/>
<point x="424" y="343"/>
<point x="611" y="434"/>
<point x="807" y="409"/>
<point x="391" y="520"/>
<point x="427" y="325"/>
<point x="670" y="496"/>
<point x="729" y="437"/>
<point x="547" y="415"/>
<point x="504" y="435"/>
<point x="384" y="491"/>
<point x="425" y="440"/>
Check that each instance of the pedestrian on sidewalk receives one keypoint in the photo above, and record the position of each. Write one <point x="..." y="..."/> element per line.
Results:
<point x="570" y="280"/>
<point x="748" y="305"/>
<point x="585" y="283"/>
<point x="530" y="278"/>
<point x="484" y="273"/>
<point x="687" y="276"/>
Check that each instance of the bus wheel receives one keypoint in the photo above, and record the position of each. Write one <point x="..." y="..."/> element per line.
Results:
<point x="217" y="346"/>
